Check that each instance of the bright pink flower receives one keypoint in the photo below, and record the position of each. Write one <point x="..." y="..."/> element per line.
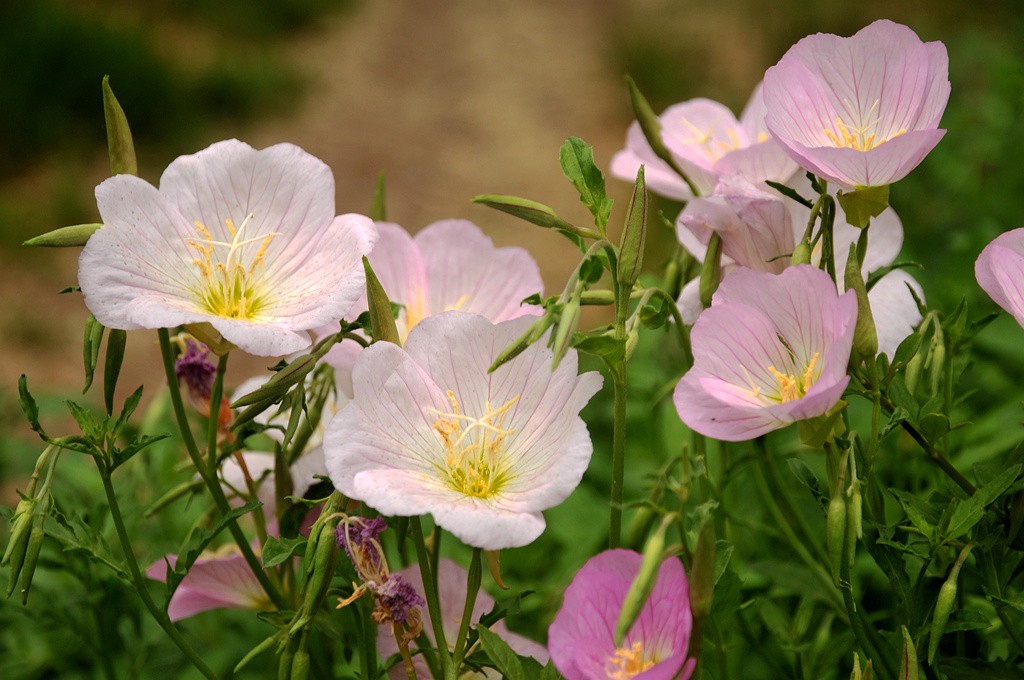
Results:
<point x="581" y="639"/>
<point x="706" y="142"/>
<point x="861" y="111"/>
<point x="430" y="431"/>
<point x="451" y="586"/>
<point x="244" y="240"/>
<point x="771" y="350"/>
<point x="216" y="582"/>
<point x="1000" y="272"/>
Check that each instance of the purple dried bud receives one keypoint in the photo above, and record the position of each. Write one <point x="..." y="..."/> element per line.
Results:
<point x="397" y="596"/>
<point x="359" y="539"/>
<point x="196" y="370"/>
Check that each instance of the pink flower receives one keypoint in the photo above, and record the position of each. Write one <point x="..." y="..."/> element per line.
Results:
<point x="244" y="240"/>
<point x="771" y="350"/>
<point x="1000" y="272"/>
<point x="861" y="111"/>
<point x="760" y="228"/>
<point x="222" y="581"/>
<point x="706" y="142"/>
<point x="581" y="638"/>
<point x="452" y="265"/>
<point x="429" y="430"/>
<point x="451" y="585"/>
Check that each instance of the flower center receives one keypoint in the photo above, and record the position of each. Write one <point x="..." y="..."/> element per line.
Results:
<point x="860" y="133"/>
<point x="416" y="311"/>
<point x="229" y="288"/>
<point x="628" y="662"/>
<point x="788" y="386"/>
<point x="713" y="147"/>
<point x="474" y="456"/>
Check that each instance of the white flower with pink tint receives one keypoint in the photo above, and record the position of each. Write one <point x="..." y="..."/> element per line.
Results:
<point x="707" y="142"/>
<point x="218" y="581"/>
<point x="1000" y="272"/>
<point x="860" y="111"/>
<point x="771" y="350"/>
<point x="451" y="593"/>
<point x="430" y="431"/>
<point x="244" y="240"/>
<point x="581" y="638"/>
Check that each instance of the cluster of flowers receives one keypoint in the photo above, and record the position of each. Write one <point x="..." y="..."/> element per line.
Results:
<point x="243" y="249"/>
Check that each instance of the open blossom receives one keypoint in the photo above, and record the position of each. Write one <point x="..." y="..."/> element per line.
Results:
<point x="1000" y="272"/>
<point x="451" y="587"/>
<point x="429" y="431"/>
<point x="759" y="229"/>
<point x="217" y="581"/>
<point x="581" y="638"/>
<point x="243" y="240"/>
<point x="706" y="142"/>
<point x="771" y="350"/>
<point x="861" y="111"/>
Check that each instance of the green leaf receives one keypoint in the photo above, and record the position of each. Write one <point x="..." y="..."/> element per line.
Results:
<point x="64" y="237"/>
<point x="498" y="651"/>
<point x="915" y="509"/>
<point x="862" y="204"/>
<point x="134" y="446"/>
<point x="120" y="147"/>
<point x="91" y="349"/>
<point x="789" y="192"/>
<point x="77" y="536"/>
<point x="606" y="346"/>
<point x="969" y="512"/>
<point x="89" y="426"/>
<point x="807" y="477"/>
<point x="278" y="550"/>
<point x="550" y="672"/>
<point x="29" y="407"/>
<point x="577" y="160"/>
<point x="116" y="340"/>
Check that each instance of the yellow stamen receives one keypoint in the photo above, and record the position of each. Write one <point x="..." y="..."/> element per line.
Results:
<point x="792" y="387"/>
<point x="860" y="134"/>
<point x="227" y="287"/>
<point x="474" y="456"/>
<point x="713" y="148"/>
<point x="628" y="662"/>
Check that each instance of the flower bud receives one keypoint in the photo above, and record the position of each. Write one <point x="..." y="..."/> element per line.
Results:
<point x="28" y="569"/>
<point x="493" y="558"/>
<point x="567" y="324"/>
<point x="945" y="603"/>
<point x="65" y="237"/>
<point x="640" y="589"/>
<point x="634" y="234"/>
<point x="711" y="270"/>
<point x="865" y="339"/>
<point x="835" y="536"/>
<point x="382" y="319"/>
<point x="702" y="572"/>
<point x="801" y="254"/>
<point x="908" y="660"/>
<point x="119" y="137"/>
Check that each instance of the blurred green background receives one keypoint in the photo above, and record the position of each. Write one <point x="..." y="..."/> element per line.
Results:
<point x="451" y="99"/>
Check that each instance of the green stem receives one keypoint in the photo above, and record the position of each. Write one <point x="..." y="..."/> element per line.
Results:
<point x="618" y="454"/>
<point x="472" y="588"/>
<point x="860" y="632"/>
<point x="430" y="591"/>
<point x="210" y="475"/>
<point x="139" y="581"/>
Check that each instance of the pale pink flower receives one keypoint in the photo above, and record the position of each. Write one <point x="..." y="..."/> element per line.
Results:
<point x="244" y="240"/>
<point x="452" y="265"/>
<point x="581" y="638"/>
<point x="760" y="228"/>
<point x="451" y="587"/>
<point x="1000" y="272"/>
<point x="706" y="142"/>
<point x="771" y="350"/>
<point x="430" y="431"/>
<point x="860" y="111"/>
<point x="218" y="581"/>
